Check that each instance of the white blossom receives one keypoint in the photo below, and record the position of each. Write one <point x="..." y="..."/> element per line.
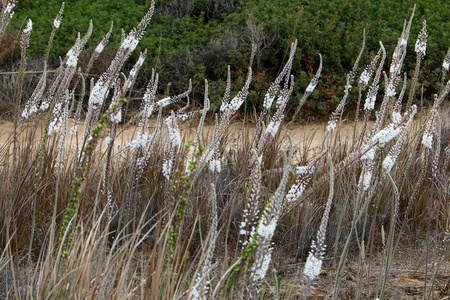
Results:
<point x="132" y="75"/>
<point x="272" y="128"/>
<point x="98" y="93"/>
<point x="59" y="165"/>
<point x="295" y="192"/>
<point x="167" y="168"/>
<point x="349" y="87"/>
<point x="99" y="47"/>
<point x="9" y="8"/>
<point x="183" y="117"/>
<point x="44" y="105"/>
<point x="71" y="58"/>
<point x="365" y="78"/>
<point x="54" y="127"/>
<point x="259" y="273"/>
<point x="404" y="41"/>
<point x="421" y="43"/>
<point x="140" y="61"/>
<point x="300" y="170"/>
<point x="148" y="109"/>
<point x="29" y="27"/>
<point x="427" y="140"/>
<point x="163" y="102"/>
<point x="391" y="90"/>
<point x="385" y="135"/>
<point x="388" y="163"/>
<point x="299" y="186"/>
<point x="421" y="47"/>
<point x="215" y="166"/>
<point x="393" y="68"/>
<point x="29" y="110"/>
<point x="134" y="71"/>
<point x="370" y="101"/>
<point x="266" y="231"/>
<point x="56" y="23"/>
<point x="268" y="100"/>
<point x="224" y="106"/>
<point x="446" y="64"/>
<point x="140" y="141"/>
<point x="331" y="125"/>
<point x="250" y="232"/>
<point x="367" y="177"/>
<point x="312" y="267"/>
<point x="396" y="117"/>
<point x="311" y="87"/>
<point x="116" y="112"/>
<point x="233" y="106"/>
<point x="116" y="117"/>
<point x="108" y="140"/>
<point x="130" y="42"/>
<point x="174" y="135"/>
<point x="235" y="103"/>
<point x="370" y="154"/>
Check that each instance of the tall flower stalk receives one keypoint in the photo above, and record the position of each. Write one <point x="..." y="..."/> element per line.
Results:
<point x="261" y="240"/>
<point x="101" y="88"/>
<point x="6" y="15"/>
<point x="420" y="49"/>
<point x="315" y="258"/>
<point x="24" y="43"/>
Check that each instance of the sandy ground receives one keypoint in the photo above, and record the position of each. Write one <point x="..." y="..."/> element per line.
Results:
<point x="406" y="280"/>
<point x="309" y="135"/>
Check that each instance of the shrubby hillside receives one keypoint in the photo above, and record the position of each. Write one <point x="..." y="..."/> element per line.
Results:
<point x="197" y="39"/>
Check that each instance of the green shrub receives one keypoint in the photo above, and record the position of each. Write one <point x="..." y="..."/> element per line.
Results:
<point x="197" y="39"/>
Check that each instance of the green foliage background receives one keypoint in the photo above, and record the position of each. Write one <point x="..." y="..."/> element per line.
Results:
<point x="198" y="38"/>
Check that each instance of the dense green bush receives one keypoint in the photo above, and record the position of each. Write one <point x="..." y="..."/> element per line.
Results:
<point x="198" y="38"/>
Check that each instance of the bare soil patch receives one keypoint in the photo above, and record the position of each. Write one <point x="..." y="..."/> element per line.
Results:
<point x="412" y="269"/>
<point x="308" y="135"/>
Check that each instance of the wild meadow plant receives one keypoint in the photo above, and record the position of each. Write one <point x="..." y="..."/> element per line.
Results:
<point x="6" y="15"/>
<point x="161" y="216"/>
